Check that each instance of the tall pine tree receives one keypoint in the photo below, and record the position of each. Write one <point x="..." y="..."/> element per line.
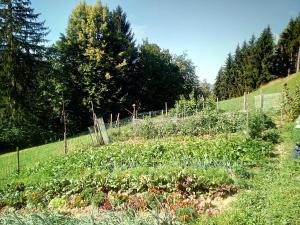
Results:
<point x="21" y="54"/>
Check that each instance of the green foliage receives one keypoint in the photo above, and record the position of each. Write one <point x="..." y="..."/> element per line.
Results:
<point x="288" y="47"/>
<point x="202" y="123"/>
<point x="291" y="103"/>
<point x="262" y="126"/>
<point x="98" y="198"/>
<point x="258" y="61"/>
<point x="195" y="167"/>
<point x="57" y="203"/>
<point x="296" y="135"/>
<point x="20" y="136"/>
<point x="273" y="198"/>
<point x="128" y="217"/>
<point x="159" y="79"/>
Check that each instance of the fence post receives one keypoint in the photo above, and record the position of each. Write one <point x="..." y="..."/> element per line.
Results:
<point x="18" y="161"/>
<point x="247" y="108"/>
<point x="245" y="101"/>
<point x="65" y="126"/>
<point x="133" y="115"/>
<point x="166" y="108"/>
<point x="217" y="103"/>
<point x="111" y="118"/>
<point x="281" y="115"/>
<point x="118" y="123"/>
<point x="96" y="126"/>
<point x="261" y="102"/>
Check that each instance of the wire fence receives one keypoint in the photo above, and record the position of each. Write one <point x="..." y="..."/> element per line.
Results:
<point x="268" y="102"/>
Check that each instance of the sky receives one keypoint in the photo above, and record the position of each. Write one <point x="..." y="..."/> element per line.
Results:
<point x="206" y="30"/>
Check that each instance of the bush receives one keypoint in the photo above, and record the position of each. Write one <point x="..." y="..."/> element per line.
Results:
<point x="261" y="126"/>
<point x="291" y="103"/>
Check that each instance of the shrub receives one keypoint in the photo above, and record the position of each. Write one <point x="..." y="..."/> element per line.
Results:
<point x="291" y="103"/>
<point x="262" y="126"/>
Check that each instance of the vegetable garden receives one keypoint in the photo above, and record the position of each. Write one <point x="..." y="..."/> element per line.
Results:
<point x="179" y="167"/>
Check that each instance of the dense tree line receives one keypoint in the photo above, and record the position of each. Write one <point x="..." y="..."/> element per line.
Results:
<point x="260" y="60"/>
<point x="95" y="61"/>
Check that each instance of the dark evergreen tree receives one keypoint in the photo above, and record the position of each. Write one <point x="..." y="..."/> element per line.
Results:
<point x="265" y="56"/>
<point x="289" y="46"/>
<point x="21" y="54"/>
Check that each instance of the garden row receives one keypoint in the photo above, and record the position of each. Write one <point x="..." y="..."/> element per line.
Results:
<point x="180" y="174"/>
<point x="203" y="123"/>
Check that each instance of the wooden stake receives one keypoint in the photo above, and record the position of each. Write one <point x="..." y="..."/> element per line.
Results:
<point x="298" y="60"/>
<point x="91" y="132"/>
<point x="166" y="108"/>
<point x="281" y="115"/>
<point x="110" y="124"/>
<point x="96" y="126"/>
<point x="247" y="122"/>
<point x="134" y="115"/>
<point x="261" y="102"/>
<point x="65" y="127"/>
<point x="18" y="161"/>
<point x="118" y="123"/>
<point x="245" y="101"/>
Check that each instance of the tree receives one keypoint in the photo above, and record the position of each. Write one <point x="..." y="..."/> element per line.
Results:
<point x="265" y="55"/>
<point x="159" y="80"/>
<point x="188" y="73"/>
<point x="99" y="55"/>
<point x="289" y="45"/>
<point x="21" y="54"/>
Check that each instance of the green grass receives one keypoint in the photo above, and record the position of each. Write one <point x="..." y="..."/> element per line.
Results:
<point x="45" y="153"/>
<point x="40" y="154"/>
<point x="236" y="104"/>
<point x="273" y="197"/>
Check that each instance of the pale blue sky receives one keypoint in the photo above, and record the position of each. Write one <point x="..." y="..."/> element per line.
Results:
<point x="206" y="30"/>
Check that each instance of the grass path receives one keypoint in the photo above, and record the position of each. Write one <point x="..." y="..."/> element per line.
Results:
<point x="273" y="196"/>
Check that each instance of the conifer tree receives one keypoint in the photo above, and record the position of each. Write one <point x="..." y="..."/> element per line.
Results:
<point x="21" y="54"/>
<point x="289" y="45"/>
<point x="265" y="56"/>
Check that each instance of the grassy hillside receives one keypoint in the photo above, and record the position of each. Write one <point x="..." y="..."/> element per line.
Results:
<point x="40" y="154"/>
<point x="236" y="104"/>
